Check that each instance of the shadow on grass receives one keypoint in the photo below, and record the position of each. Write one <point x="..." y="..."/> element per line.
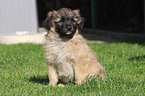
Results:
<point x="140" y="41"/>
<point x="110" y="37"/>
<point x="44" y="80"/>
<point x="41" y="80"/>
<point x="138" y="58"/>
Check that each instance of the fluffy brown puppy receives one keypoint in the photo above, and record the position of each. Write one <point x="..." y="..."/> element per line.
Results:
<point x="67" y="55"/>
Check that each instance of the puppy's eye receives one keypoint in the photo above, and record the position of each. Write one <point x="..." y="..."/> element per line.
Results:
<point x="58" y="19"/>
<point x="76" y="19"/>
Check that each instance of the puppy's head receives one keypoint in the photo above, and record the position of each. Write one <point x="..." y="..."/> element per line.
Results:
<point x="64" y="21"/>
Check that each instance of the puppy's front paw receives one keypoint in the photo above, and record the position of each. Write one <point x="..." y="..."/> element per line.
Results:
<point x="52" y="83"/>
<point x="62" y="85"/>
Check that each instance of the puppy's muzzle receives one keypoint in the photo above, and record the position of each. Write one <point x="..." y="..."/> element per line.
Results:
<point x="68" y="25"/>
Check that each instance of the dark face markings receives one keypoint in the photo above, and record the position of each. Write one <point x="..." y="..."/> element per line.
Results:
<point x="66" y="26"/>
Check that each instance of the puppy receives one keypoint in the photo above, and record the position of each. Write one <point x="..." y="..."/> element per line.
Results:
<point x="67" y="55"/>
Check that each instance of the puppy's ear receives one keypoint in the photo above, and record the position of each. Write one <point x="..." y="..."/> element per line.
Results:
<point x="77" y="12"/>
<point x="81" y="23"/>
<point x="47" y="21"/>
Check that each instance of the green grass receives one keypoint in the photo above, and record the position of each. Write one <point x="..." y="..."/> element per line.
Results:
<point x="23" y="71"/>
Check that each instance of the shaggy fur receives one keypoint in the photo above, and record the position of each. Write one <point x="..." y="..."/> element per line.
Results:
<point x="68" y="57"/>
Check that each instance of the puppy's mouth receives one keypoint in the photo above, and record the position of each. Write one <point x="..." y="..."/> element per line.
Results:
<point x="68" y="33"/>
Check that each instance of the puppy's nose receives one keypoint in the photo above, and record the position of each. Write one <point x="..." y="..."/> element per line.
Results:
<point x="69" y="27"/>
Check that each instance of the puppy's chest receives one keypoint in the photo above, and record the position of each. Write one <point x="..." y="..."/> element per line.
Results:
<point x="64" y="52"/>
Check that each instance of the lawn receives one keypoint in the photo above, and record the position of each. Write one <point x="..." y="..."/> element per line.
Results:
<point x="23" y="71"/>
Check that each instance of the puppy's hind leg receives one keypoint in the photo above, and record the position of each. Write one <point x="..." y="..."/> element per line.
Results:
<point x="52" y="74"/>
<point x="102" y="73"/>
<point x="79" y="75"/>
